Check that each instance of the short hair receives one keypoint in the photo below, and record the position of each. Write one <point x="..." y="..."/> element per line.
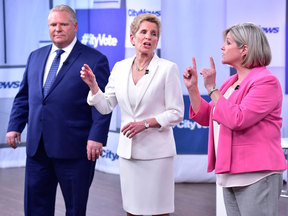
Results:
<point x="71" y="12"/>
<point x="145" y="17"/>
<point x="250" y="34"/>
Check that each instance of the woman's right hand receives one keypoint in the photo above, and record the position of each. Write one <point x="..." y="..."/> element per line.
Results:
<point x="209" y="75"/>
<point x="89" y="78"/>
<point x="190" y="76"/>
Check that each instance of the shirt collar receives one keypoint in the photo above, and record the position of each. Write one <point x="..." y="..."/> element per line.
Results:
<point x="67" y="49"/>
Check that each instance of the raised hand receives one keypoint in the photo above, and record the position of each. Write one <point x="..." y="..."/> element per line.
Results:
<point x="89" y="78"/>
<point x="190" y="76"/>
<point x="209" y="75"/>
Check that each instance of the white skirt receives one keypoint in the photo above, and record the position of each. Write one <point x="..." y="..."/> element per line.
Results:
<point x="147" y="186"/>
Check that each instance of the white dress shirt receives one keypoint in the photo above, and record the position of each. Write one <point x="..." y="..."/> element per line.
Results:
<point x="63" y="57"/>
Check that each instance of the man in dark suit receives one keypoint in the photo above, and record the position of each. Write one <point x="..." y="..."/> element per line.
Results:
<point x="63" y="130"/>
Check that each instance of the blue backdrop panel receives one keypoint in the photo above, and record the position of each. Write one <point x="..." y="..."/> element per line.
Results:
<point x="190" y="137"/>
<point x="104" y="30"/>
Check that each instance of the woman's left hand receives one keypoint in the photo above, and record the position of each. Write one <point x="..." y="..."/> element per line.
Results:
<point x="133" y="128"/>
<point x="209" y="75"/>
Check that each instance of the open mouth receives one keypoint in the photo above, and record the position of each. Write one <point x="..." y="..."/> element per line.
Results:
<point x="147" y="44"/>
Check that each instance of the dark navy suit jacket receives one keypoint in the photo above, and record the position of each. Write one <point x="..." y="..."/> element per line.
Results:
<point x="63" y="118"/>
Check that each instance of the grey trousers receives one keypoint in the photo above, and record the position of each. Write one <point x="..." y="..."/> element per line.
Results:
<point x="258" y="199"/>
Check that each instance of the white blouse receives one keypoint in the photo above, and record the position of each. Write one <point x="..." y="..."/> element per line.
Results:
<point x="133" y="90"/>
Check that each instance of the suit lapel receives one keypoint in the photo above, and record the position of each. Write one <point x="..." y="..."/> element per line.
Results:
<point x="231" y="81"/>
<point x="125" y="76"/>
<point x="76" y="51"/>
<point x="146" y="82"/>
<point x="242" y="87"/>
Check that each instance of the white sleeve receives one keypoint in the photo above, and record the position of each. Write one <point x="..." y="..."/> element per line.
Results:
<point x="104" y="102"/>
<point x="173" y="100"/>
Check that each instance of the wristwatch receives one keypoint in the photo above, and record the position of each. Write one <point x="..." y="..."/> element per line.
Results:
<point x="212" y="90"/>
<point x="146" y="124"/>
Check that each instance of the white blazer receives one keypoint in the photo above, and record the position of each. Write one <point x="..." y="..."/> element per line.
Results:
<point x="160" y="97"/>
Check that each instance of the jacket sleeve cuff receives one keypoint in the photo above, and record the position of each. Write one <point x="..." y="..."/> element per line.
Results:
<point x="94" y="99"/>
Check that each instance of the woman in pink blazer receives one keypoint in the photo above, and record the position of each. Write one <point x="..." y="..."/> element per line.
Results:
<point x="244" y="123"/>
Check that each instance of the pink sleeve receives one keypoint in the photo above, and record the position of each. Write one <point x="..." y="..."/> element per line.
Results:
<point x="203" y="115"/>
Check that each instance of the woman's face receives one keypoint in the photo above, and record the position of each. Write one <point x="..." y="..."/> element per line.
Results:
<point x="231" y="54"/>
<point x="146" y="38"/>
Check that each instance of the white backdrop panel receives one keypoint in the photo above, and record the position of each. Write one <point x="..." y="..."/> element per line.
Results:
<point x="270" y="16"/>
<point x="136" y="7"/>
<point x="194" y="28"/>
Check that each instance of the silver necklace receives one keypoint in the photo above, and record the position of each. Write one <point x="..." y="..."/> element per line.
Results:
<point x="140" y="69"/>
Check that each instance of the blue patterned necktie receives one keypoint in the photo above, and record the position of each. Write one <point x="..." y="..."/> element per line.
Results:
<point x="52" y="72"/>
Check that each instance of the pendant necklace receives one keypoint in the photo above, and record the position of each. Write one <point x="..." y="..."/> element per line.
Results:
<point x="140" y="69"/>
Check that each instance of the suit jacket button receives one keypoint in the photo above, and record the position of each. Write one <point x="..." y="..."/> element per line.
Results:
<point x="44" y="103"/>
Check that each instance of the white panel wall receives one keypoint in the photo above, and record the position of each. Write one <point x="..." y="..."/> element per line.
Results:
<point x="194" y="28"/>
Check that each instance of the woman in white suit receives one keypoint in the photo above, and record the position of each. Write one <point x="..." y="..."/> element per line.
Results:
<point x="148" y="91"/>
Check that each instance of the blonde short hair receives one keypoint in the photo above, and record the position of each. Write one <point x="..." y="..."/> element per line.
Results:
<point x="71" y="12"/>
<point x="259" y="52"/>
<point x="145" y="17"/>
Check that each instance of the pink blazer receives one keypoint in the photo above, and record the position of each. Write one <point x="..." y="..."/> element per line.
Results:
<point x="250" y="123"/>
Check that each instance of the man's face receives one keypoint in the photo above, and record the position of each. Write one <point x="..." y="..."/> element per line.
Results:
<point x="61" y="29"/>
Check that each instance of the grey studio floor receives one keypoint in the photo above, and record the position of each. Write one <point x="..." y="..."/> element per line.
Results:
<point x="105" y="199"/>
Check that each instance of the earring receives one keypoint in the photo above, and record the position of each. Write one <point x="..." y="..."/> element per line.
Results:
<point x="133" y="44"/>
<point x="155" y="47"/>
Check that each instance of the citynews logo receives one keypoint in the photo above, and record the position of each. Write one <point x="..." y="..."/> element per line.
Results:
<point x="266" y="30"/>
<point x="132" y="12"/>
<point x="187" y="124"/>
<point x="9" y="85"/>
<point x="101" y="40"/>
<point x="109" y="154"/>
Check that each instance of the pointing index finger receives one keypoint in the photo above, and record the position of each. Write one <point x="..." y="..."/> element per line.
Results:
<point x="212" y="63"/>
<point x="194" y="63"/>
